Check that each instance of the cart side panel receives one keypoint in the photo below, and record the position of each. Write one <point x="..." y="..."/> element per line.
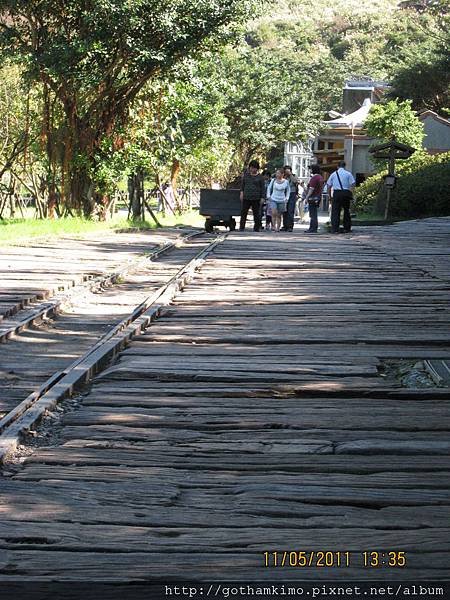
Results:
<point x="220" y="202"/>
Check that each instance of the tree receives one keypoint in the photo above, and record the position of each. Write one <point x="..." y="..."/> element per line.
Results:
<point x="92" y="59"/>
<point x="177" y="130"/>
<point x="288" y="72"/>
<point x="424" y="78"/>
<point x="395" y="120"/>
<point x="21" y="156"/>
<point x="116" y="92"/>
<point x="422" y="70"/>
<point x="14" y="138"/>
<point x="272" y="94"/>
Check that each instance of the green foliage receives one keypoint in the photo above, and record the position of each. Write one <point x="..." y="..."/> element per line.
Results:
<point x="111" y="42"/>
<point x="178" y="122"/>
<point x="95" y="58"/>
<point x="395" y="120"/>
<point x="422" y="69"/>
<point x="19" y="105"/>
<point x="289" y="72"/>
<point x="107" y="166"/>
<point x="116" y="87"/>
<point x="421" y="191"/>
<point x="16" y="231"/>
<point x="276" y="86"/>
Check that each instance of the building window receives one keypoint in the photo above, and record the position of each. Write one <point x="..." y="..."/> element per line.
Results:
<point x="321" y="145"/>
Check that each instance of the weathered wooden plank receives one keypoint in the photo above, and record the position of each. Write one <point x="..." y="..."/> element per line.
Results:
<point x="148" y="346"/>
<point x="352" y="496"/>
<point x="431" y="339"/>
<point x="365" y="376"/>
<point x="332" y="366"/>
<point x="318" y="381"/>
<point x="141" y="398"/>
<point x="54" y="504"/>
<point x="135" y="417"/>
<point x="104" y="538"/>
<point x="48" y="565"/>
<point x="256" y="458"/>
<point x="435" y="418"/>
<point x="229" y="443"/>
<point x="312" y="440"/>
<point x="367" y="489"/>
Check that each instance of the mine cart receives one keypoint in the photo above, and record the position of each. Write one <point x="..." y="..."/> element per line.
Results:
<point x="219" y="207"/>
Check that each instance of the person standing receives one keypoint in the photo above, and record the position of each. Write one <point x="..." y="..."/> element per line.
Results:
<point x="313" y="197"/>
<point x="278" y="195"/>
<point x="252" y="194"/>
<point x="340" y="186"/>
<point x="265" y="210"/>
<point x="288" y="215"/>
<point x="301" y="202"/>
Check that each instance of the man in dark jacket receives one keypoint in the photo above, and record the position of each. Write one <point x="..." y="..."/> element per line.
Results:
<point x="252" y="193"/>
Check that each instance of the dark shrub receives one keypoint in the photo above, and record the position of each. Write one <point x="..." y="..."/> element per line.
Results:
<point x="423" y="188"/>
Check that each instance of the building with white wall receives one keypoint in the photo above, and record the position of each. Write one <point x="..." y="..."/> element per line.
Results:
<point x="437" y="132"/>
<point x="344" y="137"/>
<point x="299" y="155"/>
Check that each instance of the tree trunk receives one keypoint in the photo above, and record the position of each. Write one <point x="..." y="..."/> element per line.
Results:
<point x="174" y="173"/>
<point x="135" y="198"/>
<point x="51" y="204"/>
<point x="82" y="192"/>
<point x="103" y="202"/>
<point x="77" y="161"/>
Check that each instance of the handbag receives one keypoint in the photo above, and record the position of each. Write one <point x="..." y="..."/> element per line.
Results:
<point x="315" y="197"/>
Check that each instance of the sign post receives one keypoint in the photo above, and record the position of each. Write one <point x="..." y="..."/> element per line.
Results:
<point x="391" y="151"/>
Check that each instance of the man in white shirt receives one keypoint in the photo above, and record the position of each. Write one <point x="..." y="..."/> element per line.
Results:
<point x="342" y="183"/>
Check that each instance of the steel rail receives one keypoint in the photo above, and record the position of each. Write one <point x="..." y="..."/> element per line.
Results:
<point x="51" y="307"/>
<point x="63" y="383"/>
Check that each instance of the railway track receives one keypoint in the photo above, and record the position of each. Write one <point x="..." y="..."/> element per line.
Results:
<point x="28" y="311"/>
<point x="257" y="412"/>
<point x="36" y="271"/>
<point x="151" y="280"/>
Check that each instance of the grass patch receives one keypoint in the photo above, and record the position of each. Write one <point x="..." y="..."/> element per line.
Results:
<point x="362" y="216"/>
<point x="374" y="219"/>
<point x="19" y="231"/>
<point x="191" y="218"/>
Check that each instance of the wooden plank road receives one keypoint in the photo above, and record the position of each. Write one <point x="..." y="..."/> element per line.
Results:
<point x="42" y="267"/>
<point x="254" y="416"/>
<point x="33" y="355"/>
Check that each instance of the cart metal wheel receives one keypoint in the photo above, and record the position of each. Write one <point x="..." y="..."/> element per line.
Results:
<point x="209" y="227"/>
<point x="232" y="224"/>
